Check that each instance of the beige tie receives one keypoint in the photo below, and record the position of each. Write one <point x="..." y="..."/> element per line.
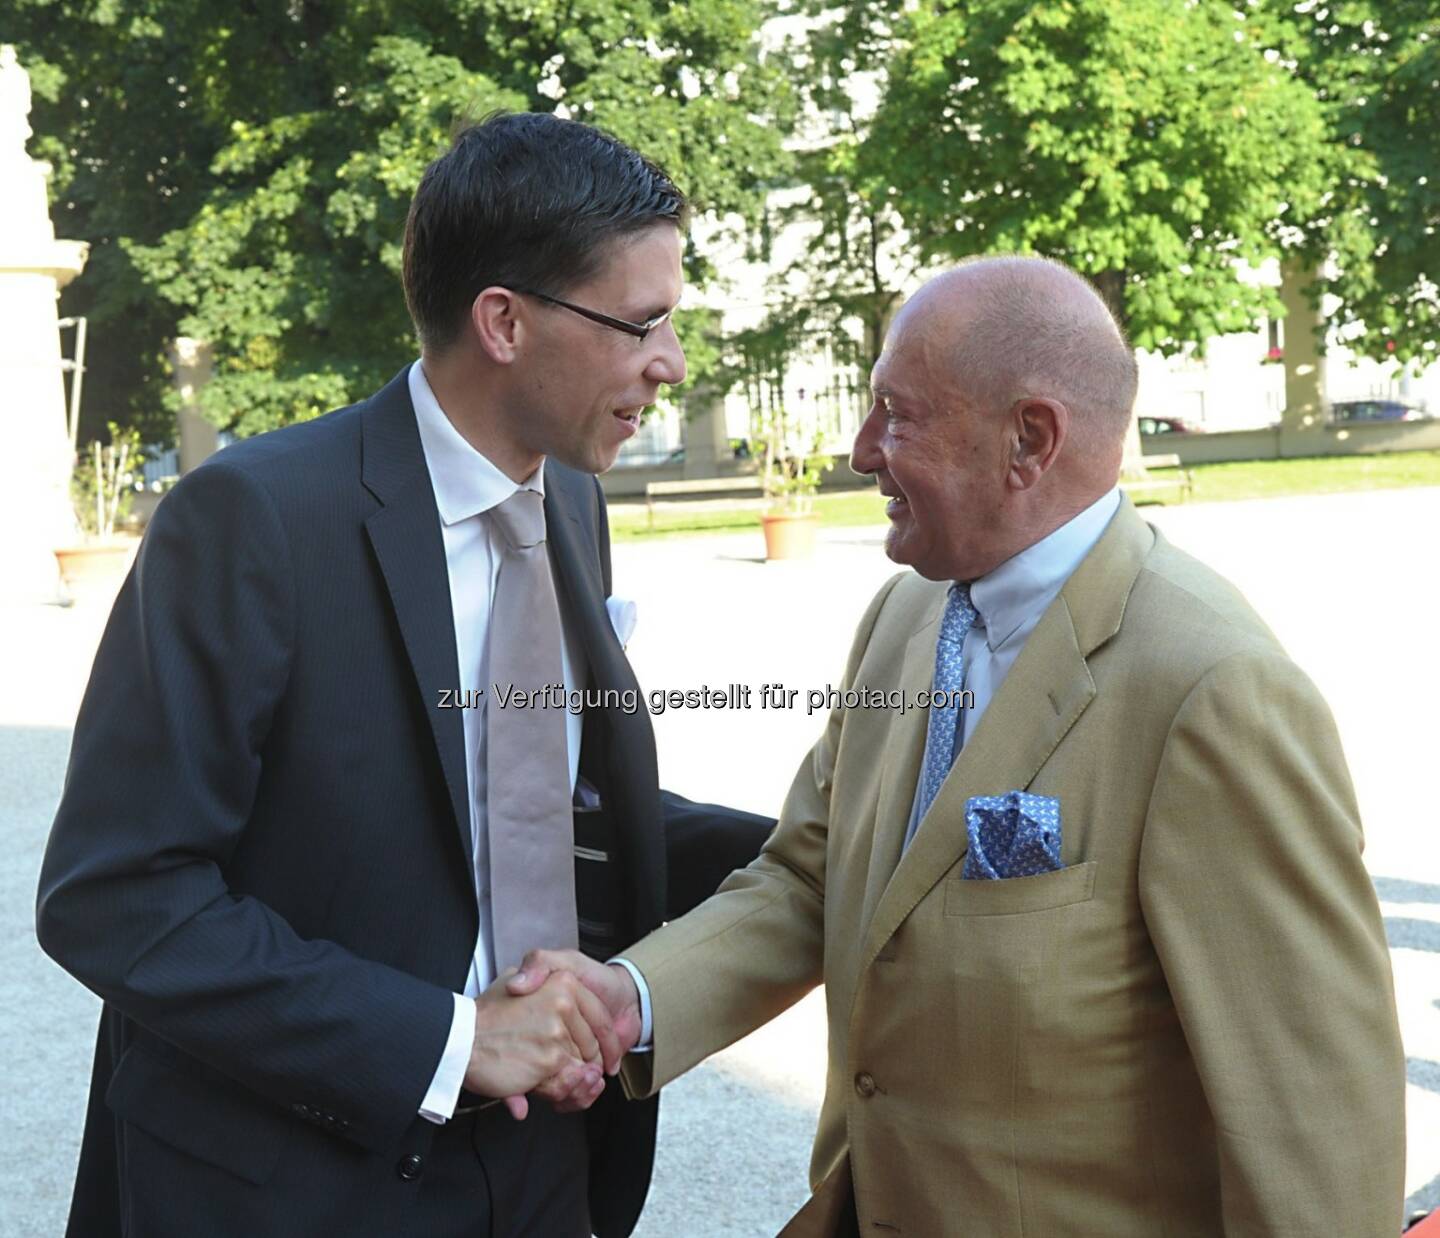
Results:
<point x="532" y="834"/>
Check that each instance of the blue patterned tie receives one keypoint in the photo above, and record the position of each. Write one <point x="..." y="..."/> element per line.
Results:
<point x="942" y="735"/>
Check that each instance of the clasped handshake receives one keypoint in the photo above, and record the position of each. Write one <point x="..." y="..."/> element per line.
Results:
<point x="556" y="1028"/>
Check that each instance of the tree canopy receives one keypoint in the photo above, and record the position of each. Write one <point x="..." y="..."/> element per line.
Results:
<point x="1154" y="146"/>
<point x="1374" y="68"/>
<point x="1149" y="145"/>
<point x="243" y="172"/>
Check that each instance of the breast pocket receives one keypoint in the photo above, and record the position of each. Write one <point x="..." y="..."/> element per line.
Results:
<point x="1012" y="896"/>
<point x="1000" y="940"/>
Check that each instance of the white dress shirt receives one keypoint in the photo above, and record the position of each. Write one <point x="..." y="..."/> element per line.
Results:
<point x="1009" y="601"/>
<point x="467" y="486"/>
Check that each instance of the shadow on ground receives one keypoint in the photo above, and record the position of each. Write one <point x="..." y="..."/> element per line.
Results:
<point x="1398" y="890"/>
<point x="1409" y="933"/>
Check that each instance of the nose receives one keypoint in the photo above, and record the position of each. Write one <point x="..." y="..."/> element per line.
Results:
<point x="865" y="454"/>
<point x="668" y="363"/>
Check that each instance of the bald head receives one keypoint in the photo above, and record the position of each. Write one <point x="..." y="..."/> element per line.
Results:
<point x="1001" y="403"/>
<point x="1019" y="327"/>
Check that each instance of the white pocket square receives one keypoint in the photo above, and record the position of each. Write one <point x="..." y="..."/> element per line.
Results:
<point x="623" y="615"/>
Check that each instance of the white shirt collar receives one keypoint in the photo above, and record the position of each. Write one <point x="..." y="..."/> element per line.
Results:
<point x="464" y="480"/>
<point x="1025" y="584"/>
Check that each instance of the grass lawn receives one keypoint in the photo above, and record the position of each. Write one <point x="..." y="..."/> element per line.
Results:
<point x="1270" y="479"/>
<point x="1246" y="479"/>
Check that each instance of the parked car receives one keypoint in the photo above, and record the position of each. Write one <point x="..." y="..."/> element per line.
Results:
<point x="1375" y="410"/>
<point x="1168" y="425"/>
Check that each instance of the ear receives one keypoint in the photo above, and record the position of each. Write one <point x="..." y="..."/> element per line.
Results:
<point x="494" y="320"/>
<point x="1040" y="428"/>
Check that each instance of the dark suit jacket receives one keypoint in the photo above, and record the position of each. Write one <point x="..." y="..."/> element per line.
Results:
<point x="261" y="858"/>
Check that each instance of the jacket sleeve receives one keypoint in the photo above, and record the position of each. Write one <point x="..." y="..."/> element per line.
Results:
<point x="758" y="944"/>
<point x="1269" y="933"/>
<point x="163" y="773"/>
<point x="704" y="844"/>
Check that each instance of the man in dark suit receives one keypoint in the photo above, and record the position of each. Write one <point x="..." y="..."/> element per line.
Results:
<point x="300" y="836"/>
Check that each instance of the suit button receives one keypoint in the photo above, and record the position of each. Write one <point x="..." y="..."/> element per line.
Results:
<point x="865" y="1085"/>
<point x="409" y="1167"/>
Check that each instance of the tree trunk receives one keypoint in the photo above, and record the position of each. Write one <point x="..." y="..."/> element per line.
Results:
<point x="1304" y="351"/>
<point x="1111" y="287"/>
<point x="1132" y="462"/>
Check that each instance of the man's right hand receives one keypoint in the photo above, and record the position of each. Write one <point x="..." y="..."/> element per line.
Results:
<point x="610" y="982"/>
<point x="556" y="1030"/>
<point x="614" y="985"/>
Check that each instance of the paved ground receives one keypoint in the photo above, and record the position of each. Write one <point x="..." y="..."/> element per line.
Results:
<point x="1347" y="582"/>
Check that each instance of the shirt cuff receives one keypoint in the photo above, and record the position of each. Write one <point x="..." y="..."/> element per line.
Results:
<point x="647" y="1029"/>
<point x="444" y="1094"/>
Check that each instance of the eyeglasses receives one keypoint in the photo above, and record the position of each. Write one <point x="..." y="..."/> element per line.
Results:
<point x="638" y="329"/>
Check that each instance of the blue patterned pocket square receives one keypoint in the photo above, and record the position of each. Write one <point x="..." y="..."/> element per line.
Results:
<point x="1011" y="835"/>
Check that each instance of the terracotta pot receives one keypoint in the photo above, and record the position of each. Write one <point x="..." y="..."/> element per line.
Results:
<point x="96" y="566"/>
<point x="789" y="535"/>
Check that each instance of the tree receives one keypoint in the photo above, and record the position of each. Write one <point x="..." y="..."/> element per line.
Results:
<point x="130" y="150"/>
<point x="1149" y="145"/>
<point x="290" y="265"/>
<point x="856" y="260"/>
<point x="1375" y="70"/>
<point x="243" y="173"/>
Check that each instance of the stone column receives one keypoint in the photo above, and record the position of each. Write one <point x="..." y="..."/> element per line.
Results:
<point x="35" y="511"/>
<point x="193" y="364"/>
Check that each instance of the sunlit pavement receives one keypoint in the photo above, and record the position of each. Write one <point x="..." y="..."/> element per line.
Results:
<point x="1347" y="582"/>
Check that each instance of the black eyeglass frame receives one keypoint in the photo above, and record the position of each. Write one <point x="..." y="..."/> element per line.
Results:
<point x="638" y="329"/>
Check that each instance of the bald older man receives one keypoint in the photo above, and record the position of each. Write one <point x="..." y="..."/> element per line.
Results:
<point x="1100" y="954"/>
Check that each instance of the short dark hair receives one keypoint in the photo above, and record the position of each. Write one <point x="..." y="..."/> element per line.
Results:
<point x="523" y="200"/>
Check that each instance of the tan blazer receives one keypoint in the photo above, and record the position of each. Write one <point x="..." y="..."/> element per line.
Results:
<point x="1188" y="1031"/>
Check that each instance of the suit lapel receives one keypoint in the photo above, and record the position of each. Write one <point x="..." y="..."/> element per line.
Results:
<point x="1043" y="696"/>
<point x="582" y="595"/>
<point x="629" y="750"/>
<point x="410" y="549"/>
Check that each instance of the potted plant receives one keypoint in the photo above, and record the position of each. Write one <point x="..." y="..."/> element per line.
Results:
<point x="102" y="489"/>
<point x="786" y="446"/>
<point x="791" y="466"/>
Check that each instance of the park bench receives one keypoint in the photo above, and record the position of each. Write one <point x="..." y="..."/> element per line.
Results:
<point x="696" y="485"/>
<point x="1185" y="482"/>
